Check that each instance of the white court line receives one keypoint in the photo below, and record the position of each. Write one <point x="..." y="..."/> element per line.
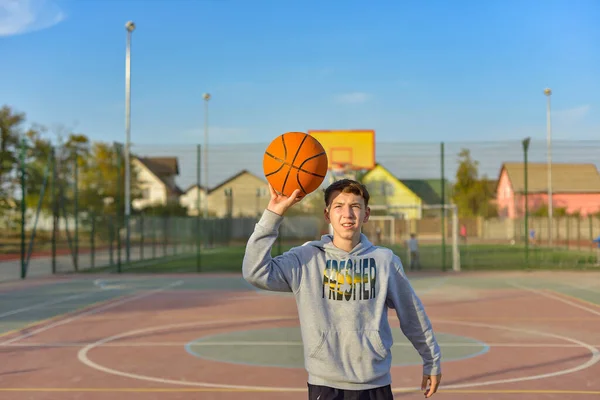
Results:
<point x="82" y="355"/>
<point x="107" y="286"/>
<point x="275" y="343"/>
<point x="551" y="296"/>
<point x="45" y="304"/>
<point x="92" y="311"/>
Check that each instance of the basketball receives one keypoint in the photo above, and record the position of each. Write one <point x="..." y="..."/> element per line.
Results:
<point x="295" y="160"/>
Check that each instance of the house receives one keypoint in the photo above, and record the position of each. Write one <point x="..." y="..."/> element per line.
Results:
<point x="243" y="194"/>
<point x="575" y="187"/>
<point x="189" y="199"/>
<point x="429" y="190"/>
<point x="389" y="192"/>
<point x="155" y="178"/>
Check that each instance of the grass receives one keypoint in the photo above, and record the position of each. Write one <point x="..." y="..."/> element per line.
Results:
<point x="502" y="257"/>
<point x="472" y="257"/>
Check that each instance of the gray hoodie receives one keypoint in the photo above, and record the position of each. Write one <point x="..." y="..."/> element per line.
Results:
<point x="342" y="301"/>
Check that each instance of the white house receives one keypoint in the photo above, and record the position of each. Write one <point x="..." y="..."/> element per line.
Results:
<point x="156" y="180"/>
<point x="189" y="199"/>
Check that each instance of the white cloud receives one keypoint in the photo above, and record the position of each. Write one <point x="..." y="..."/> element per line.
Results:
<point x="22" y="16"/>
<point x="353" y="98"/>
<point x="571" y="114"/>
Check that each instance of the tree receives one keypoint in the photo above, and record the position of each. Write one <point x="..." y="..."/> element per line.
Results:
<point x="471" y="194"/>
<point x="101" y="187"/>
<point x="10" y="131"/>
<point x="38" y="169"/>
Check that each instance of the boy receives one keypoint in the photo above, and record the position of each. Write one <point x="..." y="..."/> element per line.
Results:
<point x="413" y="248"/>
<point x="343" y="287"/>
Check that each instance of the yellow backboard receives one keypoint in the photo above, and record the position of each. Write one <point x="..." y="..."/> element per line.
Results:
<point x="354" y="147"/>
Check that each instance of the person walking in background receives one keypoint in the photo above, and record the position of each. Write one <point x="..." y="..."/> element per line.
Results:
<point x="413" y="248"/>
<point x="463" y="233"/>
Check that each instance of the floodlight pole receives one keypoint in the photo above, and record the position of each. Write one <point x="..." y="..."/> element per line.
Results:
<point x="548" y="93"/>
<point x="206" y="97"/>
<point x="130" y="27"/>
<point x="526" y="142"/>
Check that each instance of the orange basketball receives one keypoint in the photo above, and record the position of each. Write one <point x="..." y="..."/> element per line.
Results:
<point x="295" y="160"/>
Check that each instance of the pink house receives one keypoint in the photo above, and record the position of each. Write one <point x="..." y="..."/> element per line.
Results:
<point x="575" y="187"/>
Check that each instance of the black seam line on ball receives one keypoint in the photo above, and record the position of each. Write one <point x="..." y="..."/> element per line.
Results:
<point x="293" y="159"/>
<point x="283" y="164"/>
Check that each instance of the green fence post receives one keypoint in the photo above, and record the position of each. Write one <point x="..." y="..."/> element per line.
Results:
<point x="526" y="193"/>
<point x="443" y="192"/>
<point x="76" y="212"/>
<point x="198" y="240"/>
<point x="165" y="235"/>
<point x="591" y="225"/>
<point x="141" y="218"/>
<point x="154" y="228"/>
<point x="92" y="241"/>
<point x="568" y="230"/>
<point x="23" y="206"/>
<point x="578" y="232"/>
<point x="111" y="240"/>
<point x="55" y="212"/>
<point x="118" y="204"/>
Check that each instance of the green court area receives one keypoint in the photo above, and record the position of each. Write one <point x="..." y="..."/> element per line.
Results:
<point x="283" y="347"/>
<point x="473" y="257"/>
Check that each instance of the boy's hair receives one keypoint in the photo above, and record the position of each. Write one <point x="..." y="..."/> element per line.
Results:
<point x="347" y="186"/>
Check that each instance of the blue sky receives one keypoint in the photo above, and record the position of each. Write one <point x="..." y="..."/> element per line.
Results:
<point x="422" y="71"/>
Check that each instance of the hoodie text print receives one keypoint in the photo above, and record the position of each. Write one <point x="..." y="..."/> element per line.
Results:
<point x="343" y="299"/>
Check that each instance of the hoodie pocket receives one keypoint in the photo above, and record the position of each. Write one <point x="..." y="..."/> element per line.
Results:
<point x="355" y="356"/>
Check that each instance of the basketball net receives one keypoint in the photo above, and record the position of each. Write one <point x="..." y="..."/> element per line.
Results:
<point x="341" y="170"/>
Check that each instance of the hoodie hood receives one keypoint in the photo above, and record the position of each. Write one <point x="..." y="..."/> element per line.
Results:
<point x="326" y="244"/>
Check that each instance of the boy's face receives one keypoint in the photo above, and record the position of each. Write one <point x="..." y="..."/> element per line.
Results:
<point x="347" y="214"/>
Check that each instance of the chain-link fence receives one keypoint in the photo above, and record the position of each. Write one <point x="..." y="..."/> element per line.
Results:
<point x="63" y="207"/>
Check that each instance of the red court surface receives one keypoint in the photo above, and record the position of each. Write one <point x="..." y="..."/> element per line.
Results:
<point x="540" y="345"/>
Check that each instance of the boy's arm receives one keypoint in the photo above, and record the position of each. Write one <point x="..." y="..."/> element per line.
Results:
<point x="282" y="273"/>
<point x="414" y="322"/>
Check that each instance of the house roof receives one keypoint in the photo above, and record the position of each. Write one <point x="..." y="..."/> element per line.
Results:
<point x="194" y="185"/>
<point x="234" y="177"/>
<point x="566" y="177"/>
<point x="161" y="165"/>
<point x="429" y="190"/>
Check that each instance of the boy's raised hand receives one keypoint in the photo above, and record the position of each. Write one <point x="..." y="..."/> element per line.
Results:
<point x="280" y="203"/>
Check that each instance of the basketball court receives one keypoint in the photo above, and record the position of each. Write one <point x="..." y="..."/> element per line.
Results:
<point x="502" y="336"/>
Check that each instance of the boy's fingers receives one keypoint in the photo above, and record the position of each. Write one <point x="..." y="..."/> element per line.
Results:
<point x="294" y="197"/>
<point x="435" y="382"/>
<point x="424" y="382"/>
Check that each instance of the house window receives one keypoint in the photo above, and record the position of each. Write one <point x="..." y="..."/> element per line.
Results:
<point x="146" y="193"/>
<point x="507" y="192"/>
<point x="386" y="189"/>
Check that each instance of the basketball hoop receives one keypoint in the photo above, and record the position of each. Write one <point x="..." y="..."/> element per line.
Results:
<point x="341" y="170"/>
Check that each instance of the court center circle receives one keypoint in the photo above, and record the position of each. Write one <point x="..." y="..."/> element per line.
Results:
<point x="283" y="348"/>
<point x="82" y="356"/>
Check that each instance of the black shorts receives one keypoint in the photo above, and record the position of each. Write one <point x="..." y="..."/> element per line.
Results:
<point x="316" y="392"/>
